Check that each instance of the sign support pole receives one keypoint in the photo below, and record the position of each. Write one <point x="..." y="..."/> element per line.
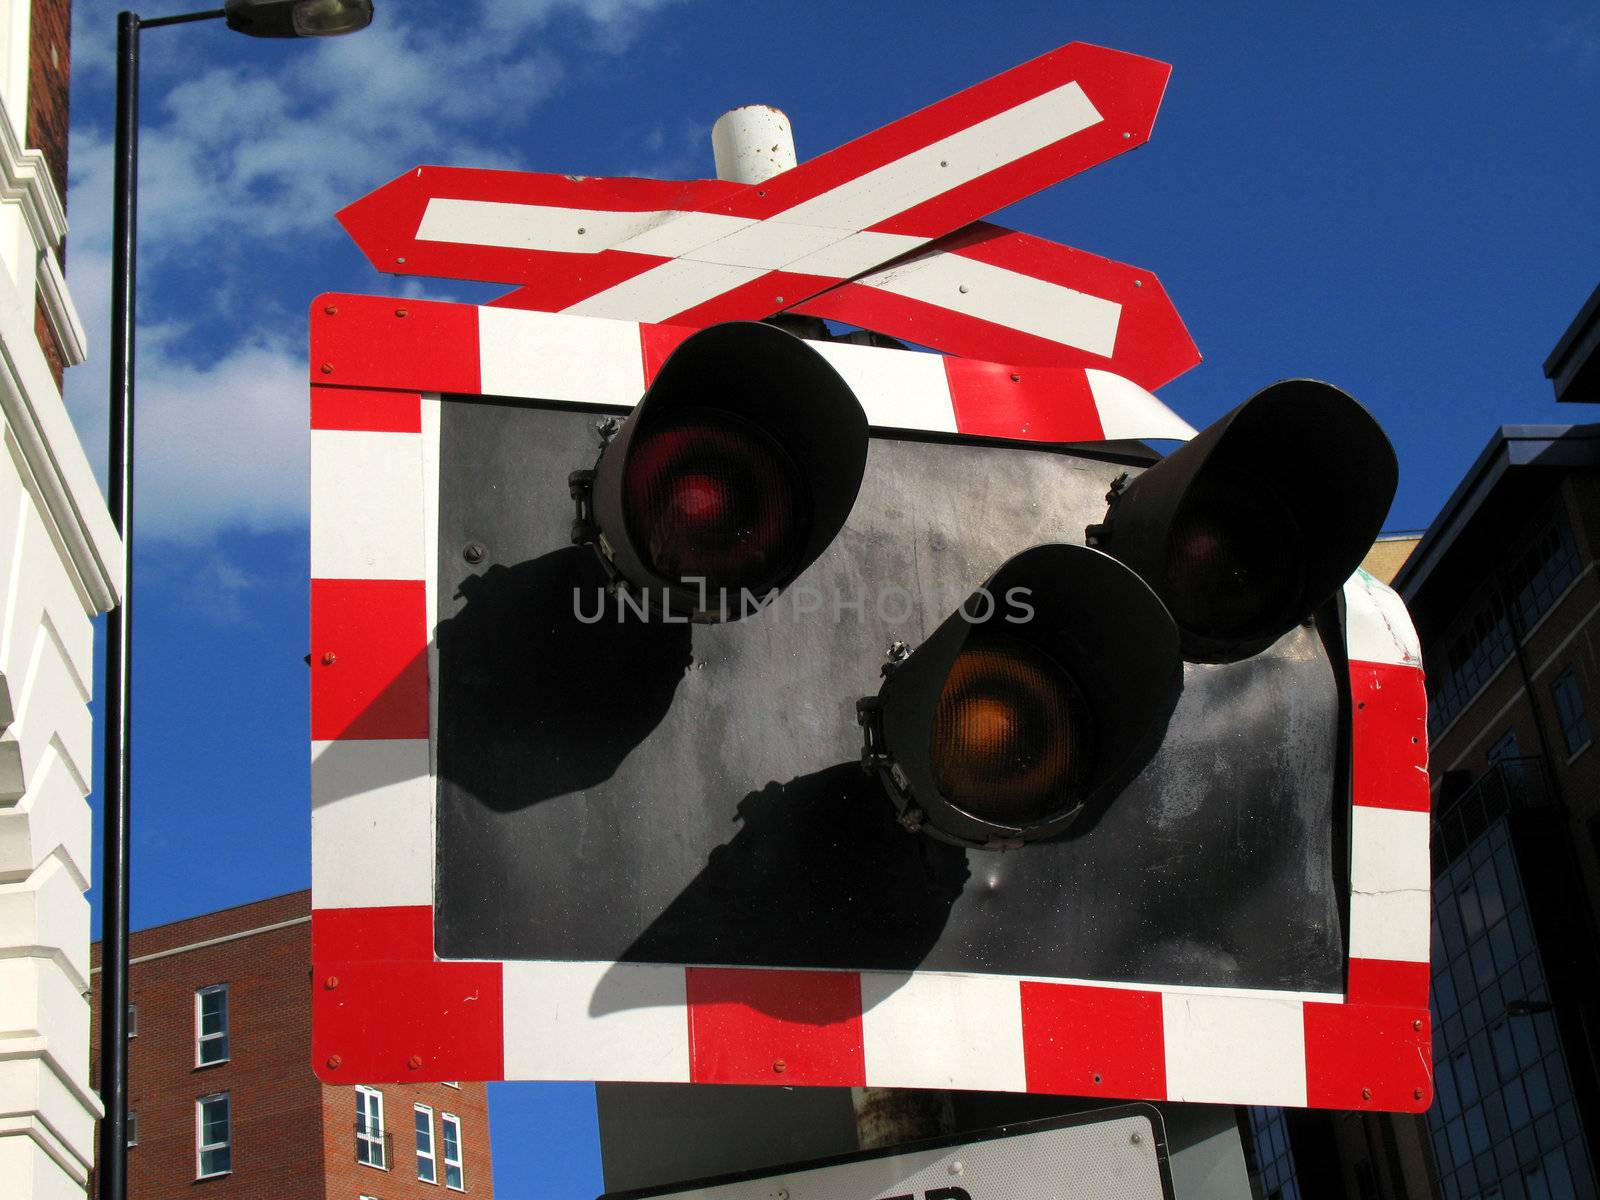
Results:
<point x="751" y="144"/>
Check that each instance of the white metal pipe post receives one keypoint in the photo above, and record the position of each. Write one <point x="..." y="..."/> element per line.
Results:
<point x="753" y="143"/>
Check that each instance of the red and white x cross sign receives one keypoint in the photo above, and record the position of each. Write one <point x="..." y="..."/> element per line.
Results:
<point x="864" y="231"/>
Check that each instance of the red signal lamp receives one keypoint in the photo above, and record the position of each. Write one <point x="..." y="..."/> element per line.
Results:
<point x="733" y="473"/>
<point x="1247" y="529"/>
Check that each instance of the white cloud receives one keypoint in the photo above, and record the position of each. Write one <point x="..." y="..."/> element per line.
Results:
<point x="678" y="152"/>
<point x="224" y="444"/>
<point x="218" y="586"/>
<point x="94" y="40"/>
<point x="235" y="157"/>
<point x="234" y="151"/>
<point x="613" y="22"/>
<point x="219" y="444"/>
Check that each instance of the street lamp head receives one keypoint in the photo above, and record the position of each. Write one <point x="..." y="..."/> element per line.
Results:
<point x="297" y="18"/>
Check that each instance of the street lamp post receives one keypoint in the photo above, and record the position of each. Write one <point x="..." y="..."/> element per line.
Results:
<point x="258" y="18"/>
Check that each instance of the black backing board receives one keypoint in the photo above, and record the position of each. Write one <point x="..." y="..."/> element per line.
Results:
<point x="630" y="791"/>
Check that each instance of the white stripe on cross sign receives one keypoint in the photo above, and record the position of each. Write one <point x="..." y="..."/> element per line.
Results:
<point x="815" y="232"/>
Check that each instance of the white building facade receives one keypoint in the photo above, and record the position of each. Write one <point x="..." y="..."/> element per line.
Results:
<point x="60" y="565"/>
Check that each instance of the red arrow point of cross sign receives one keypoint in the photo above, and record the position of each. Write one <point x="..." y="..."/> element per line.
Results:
<point x="977" y="151"/>
<point x="424" y="223"/>
<point x="990" y="292"/>
<point x="1098" y="103"/>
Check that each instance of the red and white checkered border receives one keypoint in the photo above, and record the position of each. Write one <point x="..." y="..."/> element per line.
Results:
<point x="385" y="1009"/>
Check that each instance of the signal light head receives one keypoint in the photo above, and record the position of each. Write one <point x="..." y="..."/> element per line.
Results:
<point x="1232" y="562"/>
<point x="1042" y="695"/>
<point x="707" y="496"/>
<point x="1247" y="529"/>
<point x="1008" y="734"/>
<point x="736" y="470"/>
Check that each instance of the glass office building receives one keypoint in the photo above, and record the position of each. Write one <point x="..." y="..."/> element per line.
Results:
<point x="1274" y="1160"/>
<point x="1504" y="1123"/>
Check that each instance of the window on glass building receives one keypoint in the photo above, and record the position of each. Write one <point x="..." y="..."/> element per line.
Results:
<point x="1274" y="1160"/>
<point x="1506" y="748"/>
<point x="1471" y="658"/>
<point x="1530" y="587"/>
<point x="1537" y="579"/>
<point x="1570" y="711"/>
<point x="1504" y="1122"/>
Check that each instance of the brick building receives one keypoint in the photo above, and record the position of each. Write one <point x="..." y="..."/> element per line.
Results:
<point x="223" y="1104"/>
<point x="49" y="69"/>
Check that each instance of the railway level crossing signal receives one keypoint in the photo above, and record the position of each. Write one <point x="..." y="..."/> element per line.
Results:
<point x="1142" y="814"/>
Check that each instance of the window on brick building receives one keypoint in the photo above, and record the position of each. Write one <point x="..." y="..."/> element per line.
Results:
<point x="133" y="1129"/>
<point x="133" y="1020"/>
<point x="453" y="1177"/>
<point x="213" y="1135"/>
<point x="1569" y="708"/>
<point x="211" y="1025"/>
<point x="369" y="1128"/>
<point x="427" y="1167"/>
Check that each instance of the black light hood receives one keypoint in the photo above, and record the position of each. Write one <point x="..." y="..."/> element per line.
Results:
<point x="762" y="376"/>
<point x="1309" y="444"/>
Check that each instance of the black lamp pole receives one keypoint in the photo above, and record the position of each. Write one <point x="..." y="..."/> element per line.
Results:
<point x="261" y="18"/>
<point x="111" y="1160"/>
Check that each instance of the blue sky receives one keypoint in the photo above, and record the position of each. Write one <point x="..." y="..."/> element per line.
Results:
<point x="1397" y="201"/>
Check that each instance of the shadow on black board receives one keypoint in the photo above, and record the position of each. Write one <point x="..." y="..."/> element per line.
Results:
<point x="548" y="671"/>
<point x="818" y="872"/>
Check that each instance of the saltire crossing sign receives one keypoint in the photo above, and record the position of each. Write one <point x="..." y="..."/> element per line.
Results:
<point x="884" y="232"/>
